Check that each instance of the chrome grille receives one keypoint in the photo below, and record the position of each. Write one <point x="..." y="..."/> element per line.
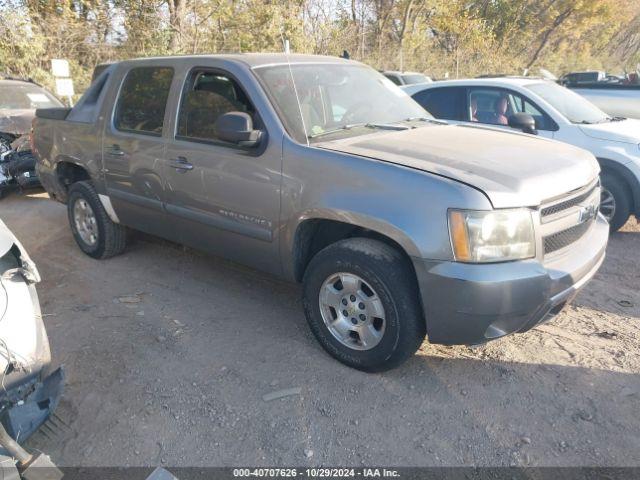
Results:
<point x="564" y="238"/>
<point x="567" y="204"/>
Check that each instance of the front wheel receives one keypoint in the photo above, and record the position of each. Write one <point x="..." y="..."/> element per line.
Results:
<point x="361" y="302"/>
<point x="94" y="232"/>
<point x="615" y="202"/>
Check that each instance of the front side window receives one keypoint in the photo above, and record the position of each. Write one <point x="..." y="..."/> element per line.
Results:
<point x="340" y="99"/>
<point x="489" y="105"/>
<point x="444" y="103"/>
<point x="207" y="96"/>
<point x="523" y="105"/>
<point x="143" y="100"/>
<point x="494" y="106"/>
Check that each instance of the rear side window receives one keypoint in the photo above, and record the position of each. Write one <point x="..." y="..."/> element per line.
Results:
<point x="445" y="103"/>
<point x="143" y="100"/>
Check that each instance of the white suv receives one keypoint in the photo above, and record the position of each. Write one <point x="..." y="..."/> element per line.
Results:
<point x="548" y="110"/>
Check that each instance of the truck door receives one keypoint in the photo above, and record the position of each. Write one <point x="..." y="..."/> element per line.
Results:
<point x="224" y="198"/>
<point x="133" y="147"/>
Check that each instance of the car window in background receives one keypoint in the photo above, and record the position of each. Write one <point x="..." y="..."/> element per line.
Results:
<point x="573" y="106"/>
<point x="208" y="95"/>
<point x="412" y="79"/>
<point x="446" y="103"/>
<point x="494" y="106"/>
<point x="522" y="105"/>
<point x="143" y="100"/>
<point x="394" y="79"/>
<point x="335" y="97"/>
<point x="26" y="97"/>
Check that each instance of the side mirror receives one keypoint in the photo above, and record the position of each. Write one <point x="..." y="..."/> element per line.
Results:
<point x="524" y="122"/>
<point x="237" y="127"/>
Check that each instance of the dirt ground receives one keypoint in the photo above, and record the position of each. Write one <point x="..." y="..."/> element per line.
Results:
<point x="170" y="353"/>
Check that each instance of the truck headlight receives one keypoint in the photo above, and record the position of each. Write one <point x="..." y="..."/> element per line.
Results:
<point x="491" y="236"/>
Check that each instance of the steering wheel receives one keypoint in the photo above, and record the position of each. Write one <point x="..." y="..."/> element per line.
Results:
<point x="352" y="113"/>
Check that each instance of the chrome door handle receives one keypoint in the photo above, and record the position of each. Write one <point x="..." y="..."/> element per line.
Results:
<point x="115" y="151"/>
<point x="181" y="164"/>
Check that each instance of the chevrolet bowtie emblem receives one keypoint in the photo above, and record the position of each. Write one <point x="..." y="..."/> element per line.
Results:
<point x="588" y="212"/>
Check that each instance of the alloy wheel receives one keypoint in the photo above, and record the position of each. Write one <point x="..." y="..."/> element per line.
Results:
<point x="607" y="204"/>
<point x="85" y="222"/>
<point x="352" y="311"/>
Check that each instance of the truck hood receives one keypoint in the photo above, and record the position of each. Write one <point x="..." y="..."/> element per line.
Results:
<point x="513" y="170"/>
<point x="626" y="131"/>
<point x="16" y="122"/>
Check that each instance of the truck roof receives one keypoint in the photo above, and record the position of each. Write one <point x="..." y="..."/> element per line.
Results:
<point x="253" y="59"/>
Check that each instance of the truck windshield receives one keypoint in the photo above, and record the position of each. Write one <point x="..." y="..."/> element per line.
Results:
<point x="335" y="100"/>
<point x="573" y="106"/>
<point x="26" y="97"/>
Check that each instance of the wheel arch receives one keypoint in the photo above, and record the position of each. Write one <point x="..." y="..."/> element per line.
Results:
<point x="313" y="233"/>
<point x="67" y="171"/>
<point x="623" y="173"/>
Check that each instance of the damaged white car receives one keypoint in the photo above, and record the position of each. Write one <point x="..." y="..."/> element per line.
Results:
<point x="29" y="389"/>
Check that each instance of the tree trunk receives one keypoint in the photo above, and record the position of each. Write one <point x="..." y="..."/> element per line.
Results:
<point x="547" y="35"/>
<point x="176" y="19"/>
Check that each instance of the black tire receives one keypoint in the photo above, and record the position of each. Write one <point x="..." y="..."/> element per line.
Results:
<point x="111" y="237"/>
<point x="391" y="276"/>
<point x="622" y="198"/>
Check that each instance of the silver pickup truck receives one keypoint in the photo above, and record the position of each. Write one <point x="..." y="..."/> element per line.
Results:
<point x="321" y="171"/>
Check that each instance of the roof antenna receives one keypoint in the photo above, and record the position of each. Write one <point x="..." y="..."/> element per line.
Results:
<point x="286" y="48"/>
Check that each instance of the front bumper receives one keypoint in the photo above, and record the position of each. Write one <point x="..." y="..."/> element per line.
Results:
<point x="474" y="303"/>
<point x="26" y="408"/>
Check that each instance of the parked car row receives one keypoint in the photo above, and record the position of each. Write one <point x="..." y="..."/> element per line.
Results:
<point x="322" y="171"/>
<point x="550" y="111"/>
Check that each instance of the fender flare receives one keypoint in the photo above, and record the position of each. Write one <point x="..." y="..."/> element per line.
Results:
<point x="354" y="219"/>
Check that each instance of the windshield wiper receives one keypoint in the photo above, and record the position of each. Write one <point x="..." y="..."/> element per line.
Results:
<point x="604" y="120"/>
<point x="381" y="126"/>
<point x="425" y="119"/>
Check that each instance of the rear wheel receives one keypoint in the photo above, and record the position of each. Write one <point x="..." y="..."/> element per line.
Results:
<point x="615" y="202"/>
<point x="361" y="303"/>
<point x="94" y="232"/>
